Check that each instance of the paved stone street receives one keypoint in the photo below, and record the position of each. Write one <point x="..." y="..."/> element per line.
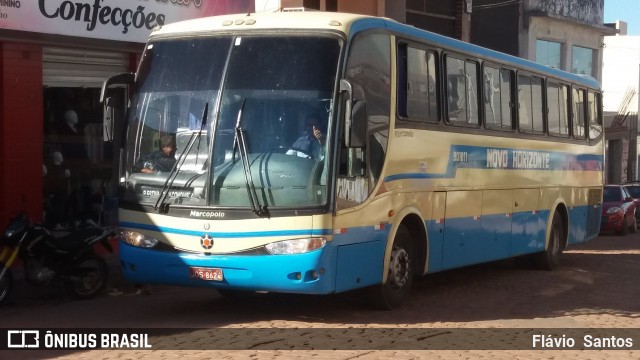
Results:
<point x="596" y="288"/>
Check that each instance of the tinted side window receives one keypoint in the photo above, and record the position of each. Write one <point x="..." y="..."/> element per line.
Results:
<point x="557" y="103"/>
<point x="497" y="97"/>
<point x="530" y="105"/>
<point x="578" y="114"/>
<point x="595" y="115"/>
<point x="462" y="91"/>
<point x="369" y="71"/>
<point x="421" y="85"/>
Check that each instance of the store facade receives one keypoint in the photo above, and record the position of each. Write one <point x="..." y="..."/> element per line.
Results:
<point x="54" y="56"/>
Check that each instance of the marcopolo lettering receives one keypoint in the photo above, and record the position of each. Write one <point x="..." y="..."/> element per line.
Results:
<point x="209" y="214"/>
<point x="105" y="15"/>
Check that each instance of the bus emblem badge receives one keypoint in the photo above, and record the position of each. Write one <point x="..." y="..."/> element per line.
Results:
<point x="206" y="241"/>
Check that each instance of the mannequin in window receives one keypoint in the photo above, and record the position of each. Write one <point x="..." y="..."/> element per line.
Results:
<point x="57" y="188"/>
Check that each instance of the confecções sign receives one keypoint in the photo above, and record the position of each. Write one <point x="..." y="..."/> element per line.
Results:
<point x="96" y="13"/>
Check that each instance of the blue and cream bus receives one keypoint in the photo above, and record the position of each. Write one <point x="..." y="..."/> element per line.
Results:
<point x="428" y="154"/>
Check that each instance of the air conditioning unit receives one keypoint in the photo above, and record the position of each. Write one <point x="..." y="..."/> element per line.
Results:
<point x="296" y="9"/>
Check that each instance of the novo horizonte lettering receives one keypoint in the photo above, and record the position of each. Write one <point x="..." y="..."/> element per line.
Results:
<point x="91" y="14"/>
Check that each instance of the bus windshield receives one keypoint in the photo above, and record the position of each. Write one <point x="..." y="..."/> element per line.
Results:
<point x="266" y="130"/>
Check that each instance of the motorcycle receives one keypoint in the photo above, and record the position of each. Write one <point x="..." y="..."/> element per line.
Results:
<point x="67" y="259"/>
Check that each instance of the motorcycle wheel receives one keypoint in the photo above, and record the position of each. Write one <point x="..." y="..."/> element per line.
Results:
<point x="88" y="278"/>
<point x="6" y="283"/>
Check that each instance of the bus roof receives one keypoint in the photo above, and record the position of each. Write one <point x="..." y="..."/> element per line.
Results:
<point x="350" y="24"/>
<point x="266" y="21"/>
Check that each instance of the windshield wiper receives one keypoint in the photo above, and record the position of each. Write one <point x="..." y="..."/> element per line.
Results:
<point x="161" y="206"/>
<point x="240" y="141"/>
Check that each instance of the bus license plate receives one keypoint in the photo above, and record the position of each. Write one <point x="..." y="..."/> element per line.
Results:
<point x="209" y="274"/>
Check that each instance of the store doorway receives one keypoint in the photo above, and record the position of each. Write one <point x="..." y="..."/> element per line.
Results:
<point x="78" y="164"/>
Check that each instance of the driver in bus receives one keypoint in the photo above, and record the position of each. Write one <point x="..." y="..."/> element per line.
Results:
<point x="311" y="142"/>
<point x="160" y="160"/>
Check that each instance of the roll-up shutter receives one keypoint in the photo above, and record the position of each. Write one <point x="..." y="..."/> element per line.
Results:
<point x="81" y="68"/>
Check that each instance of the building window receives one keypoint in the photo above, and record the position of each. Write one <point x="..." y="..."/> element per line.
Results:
<point x="549" y="53"/>
<point x="583" y="61"/>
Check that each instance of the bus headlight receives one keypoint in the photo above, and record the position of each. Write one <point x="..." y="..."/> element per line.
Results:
<point x="137" y="239"/>
<point x="297" y="246"/>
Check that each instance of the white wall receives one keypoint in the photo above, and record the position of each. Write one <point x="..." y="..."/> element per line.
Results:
<point x="620" y="70"/>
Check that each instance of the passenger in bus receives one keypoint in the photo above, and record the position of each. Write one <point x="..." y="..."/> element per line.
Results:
<point x="311" y="142"/>
<point x="160" y="160"/>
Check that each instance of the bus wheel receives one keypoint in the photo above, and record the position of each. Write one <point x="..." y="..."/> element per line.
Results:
<point x="550" y="258"/>
<point x="395" y="291"/>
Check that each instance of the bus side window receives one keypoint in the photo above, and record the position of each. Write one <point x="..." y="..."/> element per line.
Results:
<point x="578" y="114"/>
<point x="462" y="91"/>
<point x="595" y="115"/>
<point x="421" y="88"/>
<point x="530" y="104"/>
<point x="369" y="71"/>
<point x="557" y="101"/>
<point x="497" y="97"/>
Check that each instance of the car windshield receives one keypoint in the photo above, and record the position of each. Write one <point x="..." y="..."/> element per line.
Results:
<point x="274" y="91"/>
<point x="611" y="194"/>
<point x="634" y="191"/>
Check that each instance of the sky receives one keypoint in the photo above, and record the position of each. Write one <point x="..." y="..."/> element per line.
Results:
<point x="625" y="10"/>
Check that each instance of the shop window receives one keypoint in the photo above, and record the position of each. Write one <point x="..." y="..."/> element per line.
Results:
<point x="77" y="162"/>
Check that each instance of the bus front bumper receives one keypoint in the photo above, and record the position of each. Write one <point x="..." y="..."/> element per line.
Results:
<point x="300" y="273"/>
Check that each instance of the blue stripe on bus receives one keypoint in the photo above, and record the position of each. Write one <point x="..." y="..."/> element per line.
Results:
<point x="235" y="234"/>
<point x="495" y="158"/>
<point x="358" y="253"/>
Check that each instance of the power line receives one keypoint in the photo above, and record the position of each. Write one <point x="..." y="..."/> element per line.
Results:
<point x="494" y="5"/>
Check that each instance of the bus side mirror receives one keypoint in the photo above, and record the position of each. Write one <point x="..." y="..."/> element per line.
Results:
<point x="121" y="79"/>
<point x="355" y="118"/>
<point x="112" y="104"/>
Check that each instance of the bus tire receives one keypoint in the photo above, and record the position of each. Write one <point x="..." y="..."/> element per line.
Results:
<point x="392" y="294"/>
<point x="550" y="258"/>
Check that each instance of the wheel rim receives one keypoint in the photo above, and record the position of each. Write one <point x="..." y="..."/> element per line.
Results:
<point x="90" y="278"/>
<point x="399" y="268"/>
